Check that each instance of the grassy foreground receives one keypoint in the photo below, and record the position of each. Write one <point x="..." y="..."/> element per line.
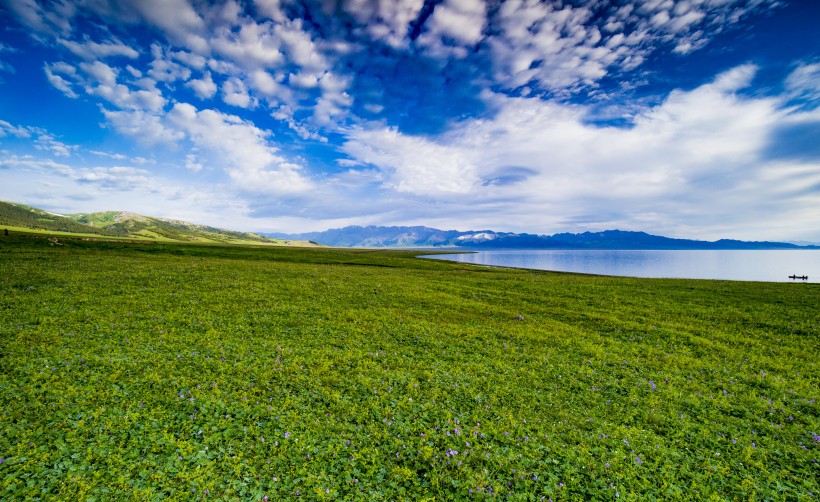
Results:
<point x="160" y="371"/>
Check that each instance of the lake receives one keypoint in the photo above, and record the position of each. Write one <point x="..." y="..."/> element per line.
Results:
<point x="757" y="265"/>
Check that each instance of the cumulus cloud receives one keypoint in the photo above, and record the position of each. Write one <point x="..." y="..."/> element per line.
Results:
<point x="145" y="127"/>
<point x="413" y="164"/>
<point x="454" y="26"/>
<point x="101" y="81"/>
<point x="234" y="92"/>
<point x="254" y="164"/>
<point x="164" y="69"/>
<point x="204" y="87"/>
<point x="177" y="18"/>
<point x="563" y="47"/>
<point x="252" y="45"/>
<point x="386" y="20"/>
<point x="693" y="159"/>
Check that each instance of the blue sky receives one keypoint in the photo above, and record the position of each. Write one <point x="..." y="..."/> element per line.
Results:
<point x="686" y="118"/>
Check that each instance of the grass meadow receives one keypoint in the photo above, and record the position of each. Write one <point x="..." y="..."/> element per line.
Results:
<point x="137" y="371"/>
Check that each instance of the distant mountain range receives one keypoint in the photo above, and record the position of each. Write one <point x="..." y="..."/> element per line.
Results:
<point x="425" y="237"/>
<point x="124" y="224"/>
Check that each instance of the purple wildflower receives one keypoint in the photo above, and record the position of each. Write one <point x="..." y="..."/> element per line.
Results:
<point x="816" y="437"/>
<point x="652" y="384"/>
<point x="287" y="435"/>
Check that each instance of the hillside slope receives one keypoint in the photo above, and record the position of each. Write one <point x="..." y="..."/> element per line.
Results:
<point x="21" y="215"/>
<point x="137" y="225"/>
<point x="125" y="224"/>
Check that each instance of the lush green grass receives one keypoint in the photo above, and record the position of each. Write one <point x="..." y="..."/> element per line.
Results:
<point x="149" y="371"/>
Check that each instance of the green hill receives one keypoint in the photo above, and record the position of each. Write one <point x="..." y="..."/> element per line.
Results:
<point x="20" y="215"/>
<point x="128" y="225"/>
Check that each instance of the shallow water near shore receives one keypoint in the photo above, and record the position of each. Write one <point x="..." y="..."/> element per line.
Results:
<point x="735" y="265"/>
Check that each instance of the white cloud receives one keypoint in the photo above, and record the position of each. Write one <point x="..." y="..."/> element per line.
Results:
<point x="115" y="156"/>
<point x="102" y="82"/>
<point x="57" y="148"/>
<point x="53" y="20"/>
<point x="30" y="162"/>
<point x="164" y="69"/>
<point x="555" y="48"/>
<point x="253" y="45"/>
<point x="562" y="48"/>
<point x="40" y="139"/>
<point x="334" y="101"/>
<point x="413" y="164"/>
<point x="192" y="164"/>
<point x="386" y="20"/>
<point x="100" y="72"/>
<point x="688" y="163"/>
<point x="454" y="26"/>
<point x="193" y="60"/>
<point x="204" y="88"/>
<point x="53" y="74"/>
<point x="235" y="93"/>
<point x="117" y="178"/>
<point x="91" y="50"/>
<point x="271" y="9"/>
<point x="265" y="84"/>
<point x="804" y="81"/>
<point x="18" y="131"/>
<point x="254" y="164"/>
<point x="177" y="18"/>
<point x="146" y="127"/>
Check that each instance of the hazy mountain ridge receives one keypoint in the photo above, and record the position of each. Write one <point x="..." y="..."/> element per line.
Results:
<point x="376" y="236"/>
<point x="127" y="224"/>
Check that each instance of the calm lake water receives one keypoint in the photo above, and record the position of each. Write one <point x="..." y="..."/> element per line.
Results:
<point x="771" y="266"/>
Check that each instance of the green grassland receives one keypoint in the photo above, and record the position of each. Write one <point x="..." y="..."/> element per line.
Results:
<point x="136" y="371"/>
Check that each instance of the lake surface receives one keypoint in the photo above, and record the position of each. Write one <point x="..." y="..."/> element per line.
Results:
<point x="770" y="266"/>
